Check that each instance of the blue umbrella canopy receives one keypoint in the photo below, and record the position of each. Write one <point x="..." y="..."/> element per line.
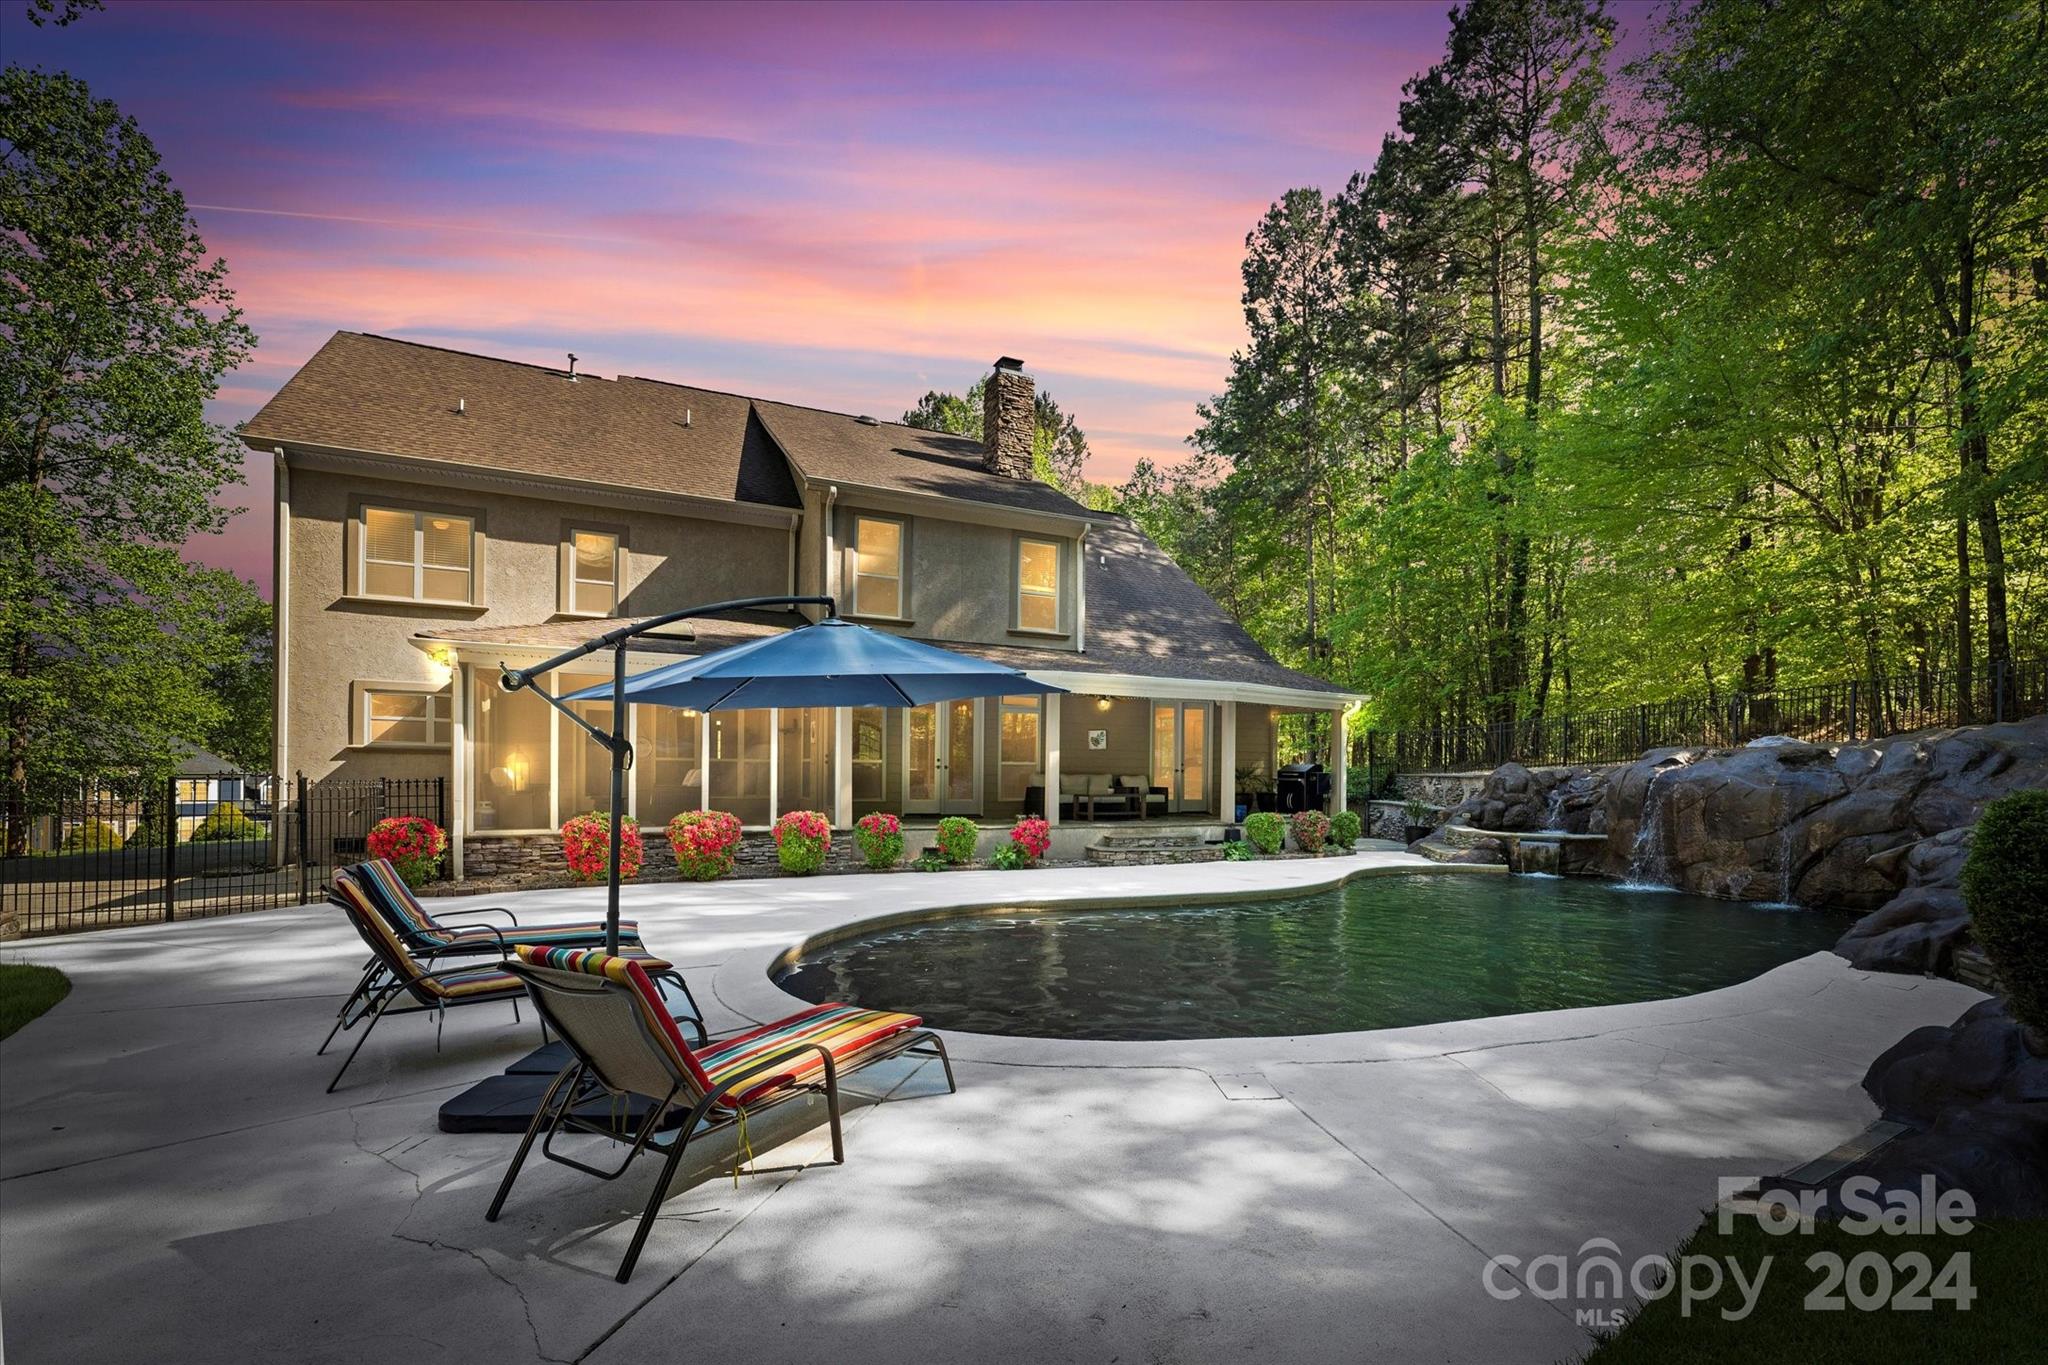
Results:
<point x="828" y="663"/>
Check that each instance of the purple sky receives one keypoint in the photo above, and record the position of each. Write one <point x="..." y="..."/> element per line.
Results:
<point x="834" y="205"/>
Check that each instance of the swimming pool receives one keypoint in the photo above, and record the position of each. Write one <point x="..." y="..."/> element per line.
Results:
<point x="1378" y="952"/>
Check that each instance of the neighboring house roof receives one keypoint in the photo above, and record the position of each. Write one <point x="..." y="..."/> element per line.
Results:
<point x="386" y="396"/>
<point x="831" y="447"/>
<point x="200" y="763"/>
<point x="1145" y="617"/>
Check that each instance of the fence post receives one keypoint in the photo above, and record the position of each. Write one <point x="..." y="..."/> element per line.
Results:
<point x="170" y="849"/>
<point x="441" y="802"/>
<point x="1642" y="727"/>
<point x="383" y="801"/>
<point x="305" y="840"/>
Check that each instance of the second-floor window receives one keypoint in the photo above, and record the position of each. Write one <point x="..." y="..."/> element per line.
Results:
<point x="417" y="556"/>
<point x="593" y="573"/>
<point x="1038" y="585"/>
<point x="877" y="567"/>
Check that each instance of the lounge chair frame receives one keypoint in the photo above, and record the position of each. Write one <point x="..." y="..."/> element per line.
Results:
<point x="584" y="1079"/>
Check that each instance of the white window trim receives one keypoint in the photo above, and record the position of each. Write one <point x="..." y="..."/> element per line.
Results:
<point x="1036" y="763"/>
<point x="615" y="582"/>
<point x="1017" y="606"/>
<point x="440" y="715"/>
<point x="902" y="611"/>
<point x="419" y="563"/>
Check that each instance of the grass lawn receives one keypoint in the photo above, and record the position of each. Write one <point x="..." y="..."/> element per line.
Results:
<point x="2008" y="1268"/>
<point x="26" y="991"/>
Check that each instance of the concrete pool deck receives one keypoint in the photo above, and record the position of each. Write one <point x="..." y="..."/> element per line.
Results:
<point x="174" y="1185"/>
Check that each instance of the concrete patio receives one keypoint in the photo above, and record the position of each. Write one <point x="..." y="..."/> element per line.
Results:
<point x="174" y="1185"/>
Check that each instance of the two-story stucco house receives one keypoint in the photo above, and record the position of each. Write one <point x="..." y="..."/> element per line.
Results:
<point x="440" y="513"/>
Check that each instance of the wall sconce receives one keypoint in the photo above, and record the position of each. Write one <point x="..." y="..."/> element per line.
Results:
<point x="1102" y="703"/>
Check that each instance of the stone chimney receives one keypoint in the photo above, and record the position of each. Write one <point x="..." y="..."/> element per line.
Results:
<point x="1007" y="420"/>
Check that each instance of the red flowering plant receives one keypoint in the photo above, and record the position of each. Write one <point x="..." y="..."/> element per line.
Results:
<point x="1033" y="835"/>
<point x="880" y="837"/>
<point x="802" y="839"/>
<point x="1311" y="830"/>
<point x="587" y="847"/>
<point x="705" y="842"/>
<point x="413" y="845"/>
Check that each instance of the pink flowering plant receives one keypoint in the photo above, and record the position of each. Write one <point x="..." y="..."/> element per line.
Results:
<point x="1311" y="830"/>
<point x="587" y="847"/>
<point x="1033" y="835"/>
<point x="413" y="845"/>
<point x="880" y="837"/>
<point x="956" y="838"/>
<point x="802" y="839"/>
<point x="705" y="841"/>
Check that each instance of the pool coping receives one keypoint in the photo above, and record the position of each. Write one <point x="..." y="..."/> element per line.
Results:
<point x="742" y="983"/>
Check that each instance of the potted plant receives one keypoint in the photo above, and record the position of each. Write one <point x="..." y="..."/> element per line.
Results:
<point x="1254" y="792"/>
<point x="1417" y="814"/>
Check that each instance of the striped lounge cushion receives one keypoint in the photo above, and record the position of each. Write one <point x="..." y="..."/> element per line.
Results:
<point x="388" y="892"/>
<point x="843" y="1030"/>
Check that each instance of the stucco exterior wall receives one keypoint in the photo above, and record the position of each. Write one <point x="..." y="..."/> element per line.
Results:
<point x="669" y="561"/>
<point x="960" y="578"/>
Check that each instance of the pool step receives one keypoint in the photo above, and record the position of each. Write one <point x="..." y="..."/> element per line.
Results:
<point x="1137" y="850"/>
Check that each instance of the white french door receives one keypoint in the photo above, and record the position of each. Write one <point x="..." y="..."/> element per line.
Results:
<point x="942" y="758"/>
<point x="1180" y="753"/>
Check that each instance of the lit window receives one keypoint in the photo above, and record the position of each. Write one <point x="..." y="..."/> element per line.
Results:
<point x="878" y="567"/>
<point x="593" y="573"/>
<point x="869" y="729"/>
<point x="1038" y="585"/>
<point x="1019" y="757"/>
<point x="409" y="718"/>
<point x="416" y="556"/>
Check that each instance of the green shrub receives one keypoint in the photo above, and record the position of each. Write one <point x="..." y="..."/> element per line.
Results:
<point x="1346" y="829"/>
<point x="880" y="837"/>
<point x="1311" y="830"/>
<point x="1238" y="851"/>
<point x="91" y="836"/>
<point x="802" y="839"/>
<point x="2005" y="883"/>
<point x="1267" y="830"/>
<point x="226" y="821"/>
<point x="957" y="837"/>
<point x="1012" y="858"/>
<point x="929" y="862"/>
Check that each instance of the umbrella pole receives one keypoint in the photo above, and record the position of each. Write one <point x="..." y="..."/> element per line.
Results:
<point x="620" y="752"/>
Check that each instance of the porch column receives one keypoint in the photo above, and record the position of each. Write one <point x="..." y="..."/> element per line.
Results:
<point x="1052" y="757"/>
<point x="458" y="774"/>
<point x="842" y="768"/>
<point x="1340" y="752"/>
<point x="1226" y="763"/>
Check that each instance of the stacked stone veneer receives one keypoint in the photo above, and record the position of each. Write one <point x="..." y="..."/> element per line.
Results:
<point x="533" y="861"/>
<point x="1007" y="422"/>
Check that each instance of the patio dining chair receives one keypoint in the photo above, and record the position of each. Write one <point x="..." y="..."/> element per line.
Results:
<point x="401" y="982"/>
<point x="624" y="1044"/>
<point x="426" y="936"/>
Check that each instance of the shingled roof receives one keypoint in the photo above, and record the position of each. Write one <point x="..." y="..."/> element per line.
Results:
<point x="1145" y="617"/>
<point x="391" y="397"/>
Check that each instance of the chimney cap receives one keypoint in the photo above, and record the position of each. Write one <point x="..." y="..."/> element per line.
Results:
<point x="1009" y="362"/>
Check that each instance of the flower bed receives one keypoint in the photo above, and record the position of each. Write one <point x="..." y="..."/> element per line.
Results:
<point x="413" y="844"/>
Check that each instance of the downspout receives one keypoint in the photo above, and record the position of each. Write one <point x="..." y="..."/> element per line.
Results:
<point x="280" y="612"/>
<point x="1081" y="591"/>
<point x="827" y="574"/>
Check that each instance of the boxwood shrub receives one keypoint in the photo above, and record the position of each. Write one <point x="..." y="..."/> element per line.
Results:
<point x="1266" y="830"/>
<point x="957" y="838"/>
<point x="2005" y="883"/>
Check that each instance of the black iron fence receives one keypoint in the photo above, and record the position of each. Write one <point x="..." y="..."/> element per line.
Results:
<point x="1830" y="713"/>
<point x="135" y="851"/>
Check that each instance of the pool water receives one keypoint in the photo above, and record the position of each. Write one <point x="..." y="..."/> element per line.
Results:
<point x="1379" y="952"/>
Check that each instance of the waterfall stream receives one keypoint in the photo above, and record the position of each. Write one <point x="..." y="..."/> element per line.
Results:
<point x="1648" y="843"/>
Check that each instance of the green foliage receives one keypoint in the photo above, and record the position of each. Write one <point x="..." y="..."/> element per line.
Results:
<point x="1311" y="830"/>
<point x="119" y="331"/>
<point x="226" y="821"/>
<point x="880" y="838"/>
<point x="957" y="836"/>
<point x="1346" y="829"/>
<point x="1266" y="830"/>
<point x="91" y="835"/>
<point x="1239" y="851"/>
<point x="1417" y="812"/>
<point x="1059" y="449"/>
<point x="929" y="862"/>
<point x="2005" y="883"/>
<point x="1012" y="858"/>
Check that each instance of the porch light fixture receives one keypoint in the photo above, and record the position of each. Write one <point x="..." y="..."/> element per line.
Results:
<point x="1102" y="703"/>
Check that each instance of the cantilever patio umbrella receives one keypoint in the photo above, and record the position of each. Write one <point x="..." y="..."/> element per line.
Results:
<point x="826" y="663"/>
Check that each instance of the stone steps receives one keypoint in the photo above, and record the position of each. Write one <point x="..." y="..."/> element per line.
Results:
<point x="1138" y="850"/>
<point x="1438" y="853"/>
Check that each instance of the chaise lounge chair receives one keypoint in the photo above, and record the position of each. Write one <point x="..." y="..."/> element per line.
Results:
<point x="624" y="1044"/>
<point x="399" y="982"/>
<point x="427" y="937"/>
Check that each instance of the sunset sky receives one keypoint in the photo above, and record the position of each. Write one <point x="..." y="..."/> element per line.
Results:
<point x="835" y="205"/>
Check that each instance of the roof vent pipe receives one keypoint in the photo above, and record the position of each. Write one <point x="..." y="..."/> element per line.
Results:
<point x="572" y="367"/>
<point x="461" y="406"/>
<point x="688" y="416"/>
